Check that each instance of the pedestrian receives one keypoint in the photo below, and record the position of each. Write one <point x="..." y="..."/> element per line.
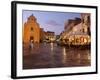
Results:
<point x="31" y="44"/>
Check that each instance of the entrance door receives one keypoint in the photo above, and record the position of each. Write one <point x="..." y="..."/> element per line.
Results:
<point x="31" y="38"/>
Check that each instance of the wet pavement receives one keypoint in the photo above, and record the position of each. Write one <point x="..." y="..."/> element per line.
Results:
<point x="51" y="55"/>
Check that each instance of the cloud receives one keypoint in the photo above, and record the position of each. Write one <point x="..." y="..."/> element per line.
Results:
<point x="52" y="23"/>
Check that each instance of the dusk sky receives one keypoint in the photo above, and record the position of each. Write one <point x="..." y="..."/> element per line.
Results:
<point x="50" y="21"/>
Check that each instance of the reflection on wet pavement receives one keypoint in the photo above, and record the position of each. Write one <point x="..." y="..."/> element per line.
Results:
<point x="52" y="56"/>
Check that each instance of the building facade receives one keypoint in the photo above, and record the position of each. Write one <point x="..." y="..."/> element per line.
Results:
<point x="31" y="30"/>
<point x="42" y="35"/>
<point x="86" y="23"/>
<point x="50" y="35"/>
<point x="78" y="31"/>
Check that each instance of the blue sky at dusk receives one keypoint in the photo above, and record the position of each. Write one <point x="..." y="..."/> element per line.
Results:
<point x="50" y="21"/>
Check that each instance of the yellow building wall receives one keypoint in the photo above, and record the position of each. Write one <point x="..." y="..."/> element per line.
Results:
<point x="35" y="32"/>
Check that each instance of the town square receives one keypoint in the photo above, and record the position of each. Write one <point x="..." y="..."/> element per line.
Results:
<point x="56" y="39"/>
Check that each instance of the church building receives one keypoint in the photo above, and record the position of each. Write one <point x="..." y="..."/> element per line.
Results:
<point x="31" y="30"/>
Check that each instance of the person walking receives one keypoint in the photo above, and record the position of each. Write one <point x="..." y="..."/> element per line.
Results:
<point x="31" y="45"/>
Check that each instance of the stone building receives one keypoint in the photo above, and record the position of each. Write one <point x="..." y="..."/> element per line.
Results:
<point x="86" y="23"/>
<point x="78" y="30"/>
<point x="42" y="35"/>
<point x="78" y="25"/>
<point x="50" y="35"/>
<point x="71" y="23"/>
<point x="31" y="30"/>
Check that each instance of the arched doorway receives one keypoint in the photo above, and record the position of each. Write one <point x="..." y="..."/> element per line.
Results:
<point x="32" y="39"/>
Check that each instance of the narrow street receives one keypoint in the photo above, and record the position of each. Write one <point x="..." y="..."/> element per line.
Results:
<point x="50" y="55"/>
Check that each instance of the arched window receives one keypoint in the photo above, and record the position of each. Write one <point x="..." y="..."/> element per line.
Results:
<point x="31" y="28"/>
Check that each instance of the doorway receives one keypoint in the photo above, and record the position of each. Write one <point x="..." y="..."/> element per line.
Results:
<point x="32" y="39"/>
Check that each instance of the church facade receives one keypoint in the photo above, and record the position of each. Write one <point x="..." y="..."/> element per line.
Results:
<point x="31" y="30"/>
